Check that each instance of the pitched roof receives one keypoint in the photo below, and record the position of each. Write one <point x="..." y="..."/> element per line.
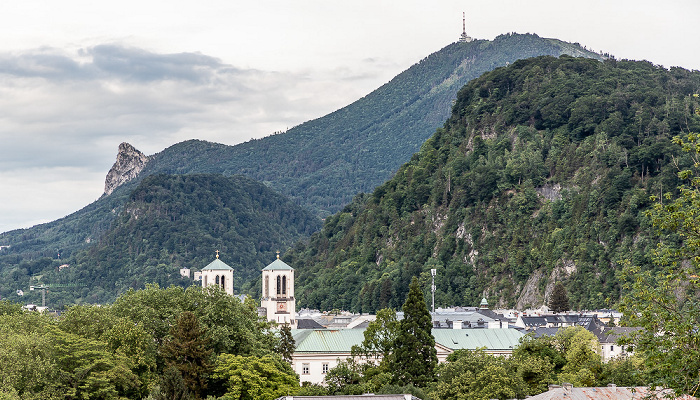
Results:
<point x="278" y="265"/>
<point x="217" y="265"/>
<point x="342" y="340"/>
<point x="472" y="339"/>
<point x="326" y="340"/>
<point x="604" y="393"/>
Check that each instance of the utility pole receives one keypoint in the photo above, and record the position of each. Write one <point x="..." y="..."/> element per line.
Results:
<point x="433" y="272"/>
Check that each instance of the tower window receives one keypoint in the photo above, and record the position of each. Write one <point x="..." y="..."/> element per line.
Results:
<point x="223" y="285"/>
<point x="267" y="286"/>
<point x="279" y="284"/>
<point x="217" y="279"/>
<point x="284" y="285"/>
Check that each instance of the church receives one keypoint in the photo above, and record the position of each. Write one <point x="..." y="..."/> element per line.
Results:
<point x="277" y="287"/>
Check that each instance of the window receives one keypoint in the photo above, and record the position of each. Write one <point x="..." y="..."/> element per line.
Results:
<point x="223" y="286"/>
<point x="284" y="285"/>
<point x="612" y="348"/>
<point x="279" y="284"/>
<point x="304" y="369"/>
<point x="267" y="286"/>
<point x="217" y="280"/>
<point x="325" y="368"/>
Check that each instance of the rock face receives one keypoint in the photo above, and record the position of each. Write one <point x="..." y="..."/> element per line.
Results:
<point x="129" y="164"/>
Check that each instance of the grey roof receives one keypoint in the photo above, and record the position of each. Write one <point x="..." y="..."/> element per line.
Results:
<point x="278" y="265"/>
<point x="604" y="393"/>
<point x="217" y="265"/>
<point x="612" y="335"/>
<point x="472" y="339"/>
<point x="308" y="323"/>
<point x="354" y="397"/>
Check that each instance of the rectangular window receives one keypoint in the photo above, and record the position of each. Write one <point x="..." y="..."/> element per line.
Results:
<point x="304" y="369"/>
<point x="325" y="368"/>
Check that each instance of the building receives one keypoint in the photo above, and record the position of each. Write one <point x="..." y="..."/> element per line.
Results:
<point x="278" y="292"/>
<point x="611" y="392"/>
<point x="318" y="351"/>
<point x="219" y="274"/>
<point x="365" y="396"/>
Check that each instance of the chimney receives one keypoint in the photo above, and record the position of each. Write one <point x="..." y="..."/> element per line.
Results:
<point x="457" y="325"/>
<point x="567" y="386"/>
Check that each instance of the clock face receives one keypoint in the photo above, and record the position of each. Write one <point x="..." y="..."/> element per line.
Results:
<point x="281" y="306"/>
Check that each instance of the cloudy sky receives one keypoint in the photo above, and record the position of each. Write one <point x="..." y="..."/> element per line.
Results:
<point x="79" y="77"/>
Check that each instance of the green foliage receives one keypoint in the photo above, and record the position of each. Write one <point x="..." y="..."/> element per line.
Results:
<point x="414" y="357"/>
<point x="380" y="336"/>
<point x="664" y="300"/>
<point x="320" y="164"/>
<point x="255" y="378"/>
<point x="286" y="345"/>
<point x="188" y="351"/>
<point x="474" y="374"/>
<point x="544" y="169"/>
<point x="559" y="300"/>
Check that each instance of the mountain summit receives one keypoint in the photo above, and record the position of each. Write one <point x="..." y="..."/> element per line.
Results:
<point x="321" y="164"/>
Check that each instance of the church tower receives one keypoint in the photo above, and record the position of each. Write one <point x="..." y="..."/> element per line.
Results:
<point x="464" y="38"/>
<point x="278" y="292"/>
<point x="219" y="274"/>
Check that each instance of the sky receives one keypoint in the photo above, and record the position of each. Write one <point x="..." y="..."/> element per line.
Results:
<point x="79" y="77"/>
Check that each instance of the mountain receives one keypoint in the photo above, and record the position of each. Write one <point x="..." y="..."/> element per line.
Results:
<point x="177" y="221"/>
<point x="541" y="174"/>
<point x="320" y="164"/>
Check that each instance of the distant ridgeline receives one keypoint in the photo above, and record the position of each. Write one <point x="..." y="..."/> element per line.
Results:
<point x="171" y="221"/>
<point x="542" y="173"/>
<point x="321" y="164"/>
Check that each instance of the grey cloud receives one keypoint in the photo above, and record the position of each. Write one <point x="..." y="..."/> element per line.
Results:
<point x="141" y="65"/>
<point x="112" y="61"/>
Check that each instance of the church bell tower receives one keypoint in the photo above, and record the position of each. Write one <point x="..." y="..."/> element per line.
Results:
<point x="278" y="292"/>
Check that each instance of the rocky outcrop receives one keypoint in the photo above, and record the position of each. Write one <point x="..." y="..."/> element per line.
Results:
<point x="130" y="162"/>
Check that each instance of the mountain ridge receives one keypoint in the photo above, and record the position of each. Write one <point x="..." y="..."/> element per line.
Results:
<point x="542" y="173"/>
<point x="321" y="164"/>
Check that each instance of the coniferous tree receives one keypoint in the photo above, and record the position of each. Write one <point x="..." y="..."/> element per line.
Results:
<point x="559" y="300"/>
<point x="414" y="357"/>
<point x="188" y="351"/>
<point x="286" y="345"/>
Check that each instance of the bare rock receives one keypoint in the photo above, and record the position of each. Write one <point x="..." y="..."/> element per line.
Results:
<point x="130" y="162"/>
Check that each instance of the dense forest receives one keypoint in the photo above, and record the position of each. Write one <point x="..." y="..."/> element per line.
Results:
<point x="171" y="222"/>
<point x="320" y="164"/>
<point x="541" y="174"/>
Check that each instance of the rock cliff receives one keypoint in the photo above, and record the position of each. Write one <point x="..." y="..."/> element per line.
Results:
<point x="130" y="162"/>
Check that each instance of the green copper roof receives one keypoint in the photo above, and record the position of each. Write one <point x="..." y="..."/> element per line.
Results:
<point x="342" y="340"/>
<point x="326" y="340"/>
<point x="217" y="265"/>
<point x="278" y="265"/>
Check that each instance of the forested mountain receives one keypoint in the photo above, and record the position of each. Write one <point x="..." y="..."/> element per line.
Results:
<point x="320" y="164"/>
<point x="171" y="222"/>
<point x="541" y="174"/>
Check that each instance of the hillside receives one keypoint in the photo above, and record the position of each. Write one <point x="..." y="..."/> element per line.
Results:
<point x="176" y="221"/>
<point x="541" y="174"/>
<point x="322" y="164"/>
